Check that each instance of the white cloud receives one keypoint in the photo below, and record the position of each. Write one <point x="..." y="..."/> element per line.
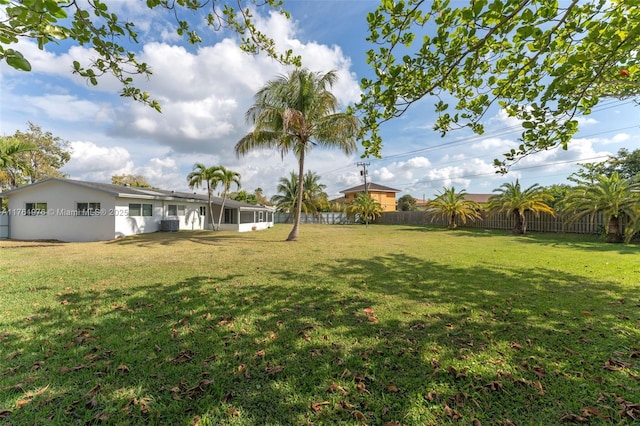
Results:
<point x="97" y="163"/>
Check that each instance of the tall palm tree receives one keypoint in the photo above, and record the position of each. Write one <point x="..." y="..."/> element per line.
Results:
<point x="510" y="198"/>
<point x="226" y="178"/>
<point x="205" y="176"/>
<point x="450" y="205"/>
<point x="293" y="113"/>
<point x="611" y="195"/>
<point x="365" y="207"/>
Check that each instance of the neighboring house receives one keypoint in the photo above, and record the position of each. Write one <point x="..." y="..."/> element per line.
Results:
<point x="382" y="194"/>
<point x="72" y="210"/>
<point x="478" y="198"/>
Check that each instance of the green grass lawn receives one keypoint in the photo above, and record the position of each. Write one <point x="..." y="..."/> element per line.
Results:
<point x="384" y="325"/>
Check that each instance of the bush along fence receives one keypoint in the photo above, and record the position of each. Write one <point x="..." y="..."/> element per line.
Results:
<point x="544" y="223"/>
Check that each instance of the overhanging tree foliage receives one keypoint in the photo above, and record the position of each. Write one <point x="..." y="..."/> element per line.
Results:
<point x="46" y="155"/>
<point x="545" y="62"/>
<point x="93" y="24"/>
<point x="137" y="181"/>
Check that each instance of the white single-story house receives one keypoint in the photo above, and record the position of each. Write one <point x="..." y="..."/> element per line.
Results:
<point x="73" y="210"/>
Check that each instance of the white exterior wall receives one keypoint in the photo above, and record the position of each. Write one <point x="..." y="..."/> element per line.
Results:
<point x="60" y="223"/>
<point x="113" y="220"/>
<point x="191" y="220"/>
<point x="257" y="225"/>
<point x="131" y="225"/>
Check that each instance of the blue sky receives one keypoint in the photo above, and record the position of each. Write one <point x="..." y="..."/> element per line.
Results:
<point x="206" y="90"/>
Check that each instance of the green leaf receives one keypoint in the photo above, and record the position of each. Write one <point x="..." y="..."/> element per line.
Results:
<point x="16" y="60"/>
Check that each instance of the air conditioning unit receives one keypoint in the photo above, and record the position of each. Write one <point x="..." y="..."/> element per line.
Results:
<point x="169" y="225"/>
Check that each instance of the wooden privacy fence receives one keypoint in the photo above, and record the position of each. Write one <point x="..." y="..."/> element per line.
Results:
<point x="596" y="224"/>
<point x="329" y="218"/>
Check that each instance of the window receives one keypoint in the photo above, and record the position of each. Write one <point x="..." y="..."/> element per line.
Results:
<point x="36" y="209"/>
<point x="229" y="216"/>
<point x="140" y="209"/>
<point x="176" y="209"/>
<point x="203" y="211"/>
<point x="260" y="216"/>
<point x="88" y="209"/>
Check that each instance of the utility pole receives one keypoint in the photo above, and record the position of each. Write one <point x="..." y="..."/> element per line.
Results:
<point x="364" y="174"/>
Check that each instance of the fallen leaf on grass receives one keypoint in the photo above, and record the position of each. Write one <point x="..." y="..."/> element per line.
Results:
<point x="372" y="319"/>
<point x="184" y="356"/>
<point x="476" y="422"/>
<point x="457" y="374"/>
<point x="592" y="411"/>
<point x="344" y="404"/>
<point x="5" y="413"/>
<point x="92" y="403"/>
<point x="493" y="386"/>
<point x="94" y="390"/>
<point x="362" y="388"/>
<point x="358" y="415"/>
<point x="233" y="412"/>
<point x="392" y="388"/>
<point x="539" y="371"/>
<point x="100" y="418"/>
<point x="64" y="370"/>
<point x="368" y="310"/>
<point x="628" y="408"/>
<point x="536" y="384"/>
<point x="198" y="389"/>
<point x="22" y="402"/>
<point x="515" y="345"/>
<point x="452" y="412"/>
<point x="11" y="370"/>
<point x="273" y="369"/>
<point x="334" y="387"/>
<point x="615" y="365"/>
<point x="586" y="313"/>
<point x="317" y="406"/>
<point x="123" y="369"/>
<point x="573" y="418"/>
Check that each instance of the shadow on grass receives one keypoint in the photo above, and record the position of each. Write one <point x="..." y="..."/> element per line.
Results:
<point x="172" y="238"/>
<point x="587" y="242"/>
<point x="387" y="339"/>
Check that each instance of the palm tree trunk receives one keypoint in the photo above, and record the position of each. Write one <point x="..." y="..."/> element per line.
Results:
<point x="518" y="227"/>
<point x="293" y="235"/>
<point x="613" y="230"/>
<point x="452" y="221"/>
<point x="224" y="198"/>
<point x="210" y="205"/>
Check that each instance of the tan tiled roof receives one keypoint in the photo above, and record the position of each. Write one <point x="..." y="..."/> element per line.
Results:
<point x="370" y="187"/>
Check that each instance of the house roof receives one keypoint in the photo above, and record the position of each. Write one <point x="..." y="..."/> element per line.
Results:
<point x="370" y="187"/>
<point x="124" y="191"/>
<point x="478" y="198"/>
